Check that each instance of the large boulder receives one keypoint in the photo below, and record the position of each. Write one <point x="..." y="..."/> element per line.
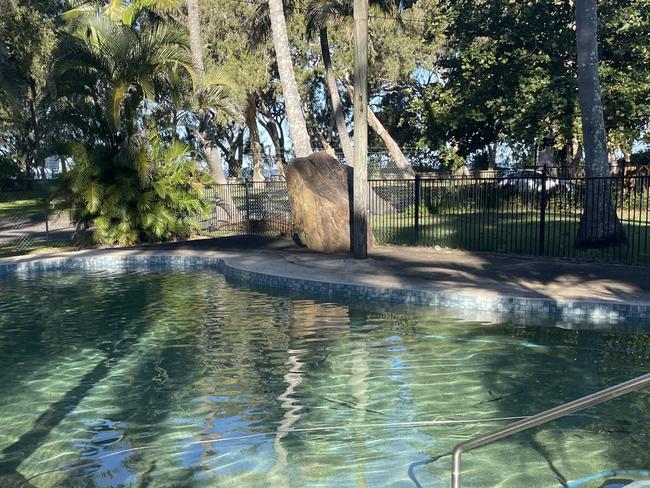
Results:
<point x="320" y="202"/>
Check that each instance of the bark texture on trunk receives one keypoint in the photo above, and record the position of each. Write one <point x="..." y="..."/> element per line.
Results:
<point x="492" y="152"/>
<point x="34" y="136"/>
<point x="392" y="147"/>
<point x="223" y="205"/>
<point x="225" y="202"/>
<point x="254" y="138"/>
<point x="293" y="106"/>
<point x="216" y="167"/>
<point x="572" y="157"/>
<point x="335" y="99"/>
<point x="599" y="224"/>
<point x="272" y="130"/>
<point x="194" y="27"/>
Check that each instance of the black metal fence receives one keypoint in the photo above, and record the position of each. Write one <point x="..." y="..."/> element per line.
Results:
<point x="534" y="214"/>
<point x="257" y="208"/>
<point x="526" y="214"/>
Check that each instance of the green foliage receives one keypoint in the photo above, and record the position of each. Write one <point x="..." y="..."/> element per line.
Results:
<point x="506" y="73"/>
<point x="641" y="158"/>
<point x="8" y="169"/>
<point x="27" y="41"/>
<point x="144" y="192"/>
<point x="125" y="184"/>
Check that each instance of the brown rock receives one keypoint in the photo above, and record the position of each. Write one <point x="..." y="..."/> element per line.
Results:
<point x="320" y="202"/>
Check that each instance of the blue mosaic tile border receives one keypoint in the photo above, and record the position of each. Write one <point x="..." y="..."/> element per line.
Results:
<point x="580" y="310"/>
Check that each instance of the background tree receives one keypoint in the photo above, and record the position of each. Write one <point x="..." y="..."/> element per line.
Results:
<point x="27" y="41"/>
<point x="599" y="223"/>
<point x="293" y="107"/>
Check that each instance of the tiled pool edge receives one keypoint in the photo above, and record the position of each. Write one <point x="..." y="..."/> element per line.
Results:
<point x="588" y="310"/>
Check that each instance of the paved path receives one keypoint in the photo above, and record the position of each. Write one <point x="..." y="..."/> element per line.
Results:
<point x="455" y="273"/>
<point x="467" y="272"/>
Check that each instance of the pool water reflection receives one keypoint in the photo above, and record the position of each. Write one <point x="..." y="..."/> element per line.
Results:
<point x="182" y="379"/>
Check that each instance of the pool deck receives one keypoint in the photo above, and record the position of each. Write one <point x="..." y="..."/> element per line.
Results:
<point x="423" y="276"/>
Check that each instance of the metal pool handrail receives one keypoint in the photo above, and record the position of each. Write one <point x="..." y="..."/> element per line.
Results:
<point x="542" y="418"/>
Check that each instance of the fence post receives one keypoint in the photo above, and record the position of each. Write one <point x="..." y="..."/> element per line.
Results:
<point x="418" y="199"/>
<point x="622" y="209"/>
<point x="46" y="215"/>
<point x="542" y="214"/>
<point x="248" y="206"/>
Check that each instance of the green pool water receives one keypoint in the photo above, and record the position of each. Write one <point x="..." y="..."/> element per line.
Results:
<point x="164" y="379"/>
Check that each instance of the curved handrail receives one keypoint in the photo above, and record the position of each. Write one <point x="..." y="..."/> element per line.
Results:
<point x="542" y="418"/>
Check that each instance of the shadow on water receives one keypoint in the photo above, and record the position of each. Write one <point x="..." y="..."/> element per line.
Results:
<point x="563" y="365"/>
<point x="313" y="361"/>
<point x="114" y="347"/>
<point x="197" y="344"/>
<point x="156" y="373"/>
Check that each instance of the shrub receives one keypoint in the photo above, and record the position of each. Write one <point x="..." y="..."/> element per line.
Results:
<point x="142" y="192"/>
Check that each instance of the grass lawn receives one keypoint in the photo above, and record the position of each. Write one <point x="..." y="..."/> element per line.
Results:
<point x="39" y="247"/>
<point x="23" y="229"/>
<point x="512" y="232"/>
<point x="29" y="209"/>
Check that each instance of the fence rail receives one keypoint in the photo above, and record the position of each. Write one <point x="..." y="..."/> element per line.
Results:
<point x="537" y="215"/>
<point x="534" y="213"/>
<point x="257" y="208"/>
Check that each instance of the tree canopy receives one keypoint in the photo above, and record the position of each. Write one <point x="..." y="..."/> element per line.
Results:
<point x="452" y="82"/>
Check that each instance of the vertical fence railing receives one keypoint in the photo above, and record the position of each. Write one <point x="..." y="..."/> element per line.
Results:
<point x="542" y="216"/>
<point x="247" y="208"/>
<point x="416" y="210"/>
<point x="529" y="213"/>
<point x="535" y="214"/>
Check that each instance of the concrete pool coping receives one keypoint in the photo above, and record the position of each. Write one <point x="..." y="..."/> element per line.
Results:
<point x="418" y="276"/>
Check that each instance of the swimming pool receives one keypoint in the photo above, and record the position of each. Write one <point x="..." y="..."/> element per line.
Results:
<point x="173" y="379"/>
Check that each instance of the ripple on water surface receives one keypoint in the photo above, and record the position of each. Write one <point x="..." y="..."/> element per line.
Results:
<point x="181" y="379"/>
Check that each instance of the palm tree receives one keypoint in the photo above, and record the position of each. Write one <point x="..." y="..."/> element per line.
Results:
<point x="335" y="98"/>
<point x="214" y="94"/>
<point x="119" y="68"/>
<point x="196" y="46"/>
<point x="194" y="28"/>
<point x="599" y="223"/>
<point x="130" y="186"/>
<point x="295" y="117"/>
<point x="320" y="13"/>
<point x="254" y="137"/>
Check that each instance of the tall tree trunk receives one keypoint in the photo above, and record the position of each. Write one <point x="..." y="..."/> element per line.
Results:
<point x="33" y="135"/>
<point x="194" y="27"/>
<point x="492" y="153"/>
<point x="293" y="106"/>
<point x="572" y="157"/>
<point x="272" y="130"/>
<point x="225" y="201"/>
<point x="211" y="154"/>
<point x="214" y="163"/>
<point x="396" y="154"/>
<point x="393" y="148"/>
<point x="599" y="224"/>
<point x="254" y="137"/>
<point x="233" y="162"/>
<point x="335" y="99"/>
